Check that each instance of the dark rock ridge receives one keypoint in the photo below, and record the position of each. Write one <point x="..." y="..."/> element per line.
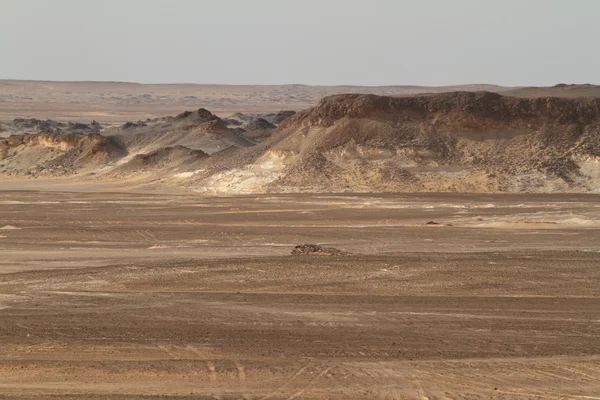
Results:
<point x="462" y="107"/>
<point x="278" y="118"/>
<point x="259" y="124"/>
<point x="459" y="141"/>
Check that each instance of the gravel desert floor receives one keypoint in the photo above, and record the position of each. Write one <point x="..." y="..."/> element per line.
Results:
<point x="438" y="296"/>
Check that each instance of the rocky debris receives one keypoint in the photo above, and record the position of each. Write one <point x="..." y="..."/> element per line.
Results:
<point x="152" y="121"/>
<point x="47" y="126"/>
<point x="33" y="124"/>
<point x="163" y="157"/>
<point x="435" y="223"/>
<point x="259" y="124"/>
<point x="259" y="121"/>
<point x="21" y="126"/>
<point x="232" y="122"/>
<point x="242" y="117"/>
<point x="130" y="125"/>
<point x="77" y="127"/>
<point x="278" y="118"/>
<point x="257" y="127"/>
<point x="316" y="250"/>
<point x="27" y="122"/>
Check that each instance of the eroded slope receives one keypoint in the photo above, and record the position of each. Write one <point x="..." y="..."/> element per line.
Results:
<point x="461" y="141"/>
<point x="480" y="142"/>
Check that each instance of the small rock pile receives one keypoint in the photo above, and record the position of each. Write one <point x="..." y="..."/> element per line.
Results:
<point x="315" y="250"/>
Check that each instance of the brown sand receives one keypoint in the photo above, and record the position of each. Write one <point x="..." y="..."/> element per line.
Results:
<point x="136" y="296"/>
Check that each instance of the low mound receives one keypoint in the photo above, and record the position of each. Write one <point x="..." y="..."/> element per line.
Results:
<point x="198" y="130"/>
<point x="200" y="116"/>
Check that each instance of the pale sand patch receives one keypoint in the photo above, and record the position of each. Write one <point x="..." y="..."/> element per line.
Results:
<point x="252" y="178"/>
<point x="188" y="174"/>
<point x="9" y="228"/>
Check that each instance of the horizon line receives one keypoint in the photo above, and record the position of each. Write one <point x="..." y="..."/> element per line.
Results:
<point x="260" y="84"/>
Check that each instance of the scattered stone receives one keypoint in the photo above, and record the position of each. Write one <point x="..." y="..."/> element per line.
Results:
<point x="259" y="124"/>
<point x="130" y="125"/>
<point x="26" y="122"/>
<point x="316" y="250"/>
<point x="78" y="126"/>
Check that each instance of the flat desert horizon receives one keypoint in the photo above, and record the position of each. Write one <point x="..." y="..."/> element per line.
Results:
<point x="119" y="102"/>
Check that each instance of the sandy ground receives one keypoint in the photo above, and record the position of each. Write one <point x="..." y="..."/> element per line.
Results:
<point x="144" y="296"/>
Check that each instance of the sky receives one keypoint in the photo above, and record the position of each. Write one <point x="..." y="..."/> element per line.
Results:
<point x="316" y="42"/>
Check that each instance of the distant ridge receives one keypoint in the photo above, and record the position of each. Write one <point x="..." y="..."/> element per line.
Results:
<point x="460" y="141"/>
<point x="118" y="102"/>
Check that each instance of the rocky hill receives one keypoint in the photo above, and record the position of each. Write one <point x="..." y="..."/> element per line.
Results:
<point x="46" y="148"/>
<point x="474" y="142"/>
<point x="460" y="141"/>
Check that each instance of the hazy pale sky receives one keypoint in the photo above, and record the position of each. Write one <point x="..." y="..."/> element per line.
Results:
<point x="326" y="42"/>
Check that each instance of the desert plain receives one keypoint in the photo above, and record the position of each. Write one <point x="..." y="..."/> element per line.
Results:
<point x="108" y="295"/>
